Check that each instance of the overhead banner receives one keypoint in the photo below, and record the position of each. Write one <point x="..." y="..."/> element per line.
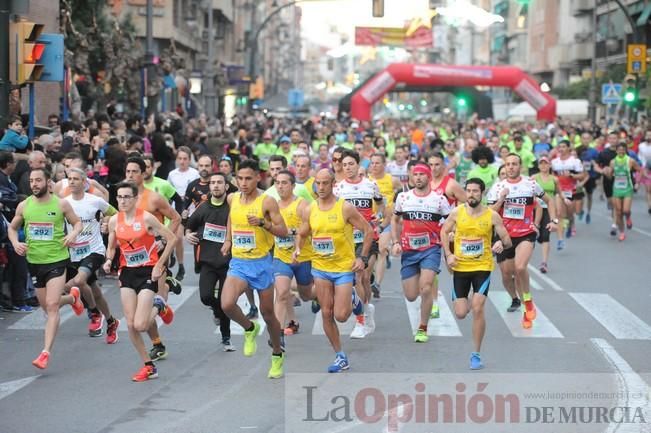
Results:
<point x="393" y="37"/>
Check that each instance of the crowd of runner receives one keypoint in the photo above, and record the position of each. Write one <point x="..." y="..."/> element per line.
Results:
<point x="313" y="210"/>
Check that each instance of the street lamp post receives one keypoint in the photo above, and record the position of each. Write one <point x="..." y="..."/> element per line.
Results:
<point x="210" y="67"/>
<point x="149" y="60"/>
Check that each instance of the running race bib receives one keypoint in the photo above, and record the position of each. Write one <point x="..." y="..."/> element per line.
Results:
<point x="472" y="247"/>
<point x="514" y="211"/>
<point x="358" y="236"/>
<point x="137" y="257"/>
<point x="244" y="240"/>
<point x="621" y="182"/>
<point x="323" y="246"/>
<point x="418" y="241"/>
<point x="41" y="231"/>
<point x="79" y="251"/>
<point x="214" y="233"/>
<point x="284" y="243"/>
<point x="567" y="194"/>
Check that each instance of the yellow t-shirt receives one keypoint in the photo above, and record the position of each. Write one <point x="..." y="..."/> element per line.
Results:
<point x="332" y="239"/>
<point x="472" y="241"/>
<point x="249" y="242"/>
<point x="284" y="246"/>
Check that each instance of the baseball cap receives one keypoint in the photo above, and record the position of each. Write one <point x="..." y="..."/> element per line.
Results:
<point x="284" y="139"/>
<point x="543" y="158"/>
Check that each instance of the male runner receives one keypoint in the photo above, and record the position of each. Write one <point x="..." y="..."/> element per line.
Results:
<point x="198" y="190"/>
<point x="134" y="230"/>
<point x="471" y="261"/>
<point x="569" y="170"/>
<point x="362" y="192"/>
<point x="303" y="165"/>
<point x="91" y="186"/>
<point x="254" y="220"/>
<point x="515" y="200"/>
<point x="43" y="216"/>
<point x="206" y="230"/>
<point x="419" y="212"/>
<point x="398" y="167"/>
<point x="158" y="206"/>
<point x="337" y="166"/>
<point x="330" y="222"/>
<point x="87" y="254"/>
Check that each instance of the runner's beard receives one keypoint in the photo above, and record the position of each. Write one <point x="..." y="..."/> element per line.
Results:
<point x="39" y="193"/>
<point x="473" y="203"/>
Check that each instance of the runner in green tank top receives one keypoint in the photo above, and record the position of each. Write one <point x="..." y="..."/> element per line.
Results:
<point x="621" y="167"/>
<point x="43" y="216"/>
<point x="549" y="183"/>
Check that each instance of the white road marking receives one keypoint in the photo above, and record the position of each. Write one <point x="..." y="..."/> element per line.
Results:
<point x="175" y="301"/>
<point x="243" y="302"/>
<point x="551" y="283"/>
<point x="542" y="326"/>
<point x="37" y="319"/>
<point x="444" y="326"/>
<point x="605" y="216"/>
<point x="344" y="328"/>
<point x="536" y="286"/>
<point x="8" y="388"/>
<point x="613" y="316"/>
<point x="633" y="391"/>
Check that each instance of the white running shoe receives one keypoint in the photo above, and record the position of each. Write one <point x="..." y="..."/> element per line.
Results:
<point x="359" y="331"/>
<point x="369" y="318"/>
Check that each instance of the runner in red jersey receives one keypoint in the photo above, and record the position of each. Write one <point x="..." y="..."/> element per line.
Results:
<point x="140" y="269"/>
<point x="361" y="192"/>
<point x="442" y="183"/>
<point x="569" y="170"/>
<point x="422" y="211"/>
<point x="514" y="198"/>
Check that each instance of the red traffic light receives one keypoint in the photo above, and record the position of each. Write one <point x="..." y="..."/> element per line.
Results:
<point x="33" y="52"/>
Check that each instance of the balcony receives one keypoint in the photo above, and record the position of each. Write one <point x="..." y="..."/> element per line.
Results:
<point x="582" y="51"/>
<point x="580" y="7"/>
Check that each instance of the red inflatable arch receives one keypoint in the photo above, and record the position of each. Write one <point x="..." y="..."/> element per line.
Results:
<point x="449" y="75"/>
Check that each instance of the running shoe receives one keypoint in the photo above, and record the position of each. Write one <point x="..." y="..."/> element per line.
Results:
<point x="145" y="373"/>
<point x="77" y="305"/>
<point x="568" y="232"/>
<point x="316" y="307"/>
<point x="580" y="215"/>
<point x="560" y="244"/>
<point x="42" y="360"/>
<point x="629" y="222"/>
<point x="227" y="346"/>
<point x="588" y="219"/>
<point x="359" y="331"/>
<point x="158" y="352"/>
<point x="369" y="318"/>
<point x="292" y="328"/>
<point x="613" y="230"/>
<point x="180" y="273"/>
<point x="96" y="325"/>
<point x="276" y="369"/>
<point x="174" y="285"/>
<point x="282" y="341"/>
<point x="375" y="288"/>
<point x="543" y="267"/>
<point x="112" y="332"/>
<point x="475" y="361"/>
<point x="216" y="320"/>
<point x="421" y="336"/>
<point x="340" y="363"/>
<point x="253" y="313"/>
<point x="435" y="313"/>
<point x="515" y="305"/>
<point x="622" y="237"/>
<point x="250" y="345"/>
<point x="526" y="323"/>
<point x="21" y="309"/>
<point x="358" y="306"/>
<point x="164" y="310"/>
<point x="573" y="231"/>
<point x="529" y="310"/>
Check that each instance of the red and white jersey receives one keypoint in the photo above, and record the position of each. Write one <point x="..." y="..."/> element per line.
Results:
<point x="422" y="218"/>
<point x="560" y="166"/>
<point x="440" y="189"/>
<point x="519" y="207"/>
<point x="360" y="194"/>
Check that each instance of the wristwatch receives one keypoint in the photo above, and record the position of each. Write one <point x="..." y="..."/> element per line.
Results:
<point x="365" y="260"/>
<point x="555" y="220"/>
<point x="261" y="223"/>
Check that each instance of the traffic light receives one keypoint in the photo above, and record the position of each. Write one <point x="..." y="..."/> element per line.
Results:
<point x="630" y="95"/>
<point x="25" y="52"/>
<point x="462" y="102"/>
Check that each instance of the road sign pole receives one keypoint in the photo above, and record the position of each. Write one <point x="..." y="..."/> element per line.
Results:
<point x="31" y="111"/>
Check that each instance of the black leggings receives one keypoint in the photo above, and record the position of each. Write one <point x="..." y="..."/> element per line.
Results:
<point x="208" y="279"/>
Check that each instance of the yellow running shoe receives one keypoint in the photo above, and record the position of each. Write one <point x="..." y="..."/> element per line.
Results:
<point x="250" y="345"/>
<point x="421" y="336"/>
<point x="435" y="314"/>
<point x="276" y="370"/>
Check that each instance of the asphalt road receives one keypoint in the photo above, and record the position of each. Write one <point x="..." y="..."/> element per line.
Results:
<point x="593" y="332"/>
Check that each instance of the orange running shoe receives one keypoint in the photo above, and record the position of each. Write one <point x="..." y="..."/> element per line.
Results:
<point x="529" y="310"/>
<point x="526" y="323"/>
<point x="42" y="360"/>
<point x="622" y="236"/>
<point x="77" y="305"/>
<point x="292" y="328"/>
<point x="112" y="332"/>
<point x="164" y="310"/>
<point x="145" y="373"/>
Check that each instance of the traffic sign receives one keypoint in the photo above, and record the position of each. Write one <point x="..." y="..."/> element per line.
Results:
<point x="636" y="59"/>
<point x="611" y="93"/>
<point x="295" y="98"/>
